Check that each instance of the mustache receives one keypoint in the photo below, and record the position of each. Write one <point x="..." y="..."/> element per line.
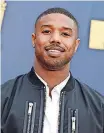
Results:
<point x="55" y="46"/>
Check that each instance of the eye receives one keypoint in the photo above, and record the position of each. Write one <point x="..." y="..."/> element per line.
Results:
<point x="46" y="31"/>
<point x="65" y="34"/>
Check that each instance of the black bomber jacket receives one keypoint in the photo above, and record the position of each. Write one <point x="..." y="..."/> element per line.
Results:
<point x="23" y="105"/>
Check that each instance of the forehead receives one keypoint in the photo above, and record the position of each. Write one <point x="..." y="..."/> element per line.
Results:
<point x="56" y="20"/>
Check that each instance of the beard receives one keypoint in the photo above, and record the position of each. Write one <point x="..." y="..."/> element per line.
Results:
<point x="52" y="64"/>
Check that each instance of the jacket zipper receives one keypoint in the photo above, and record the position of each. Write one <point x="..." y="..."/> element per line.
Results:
<point x="29" y="119"/>
<point x="76" y="115"/>
<point x="33" y="117"/>
<point x="42" y="109"/>
<point x="61" y="112"/>
<point x="72" y="121"/>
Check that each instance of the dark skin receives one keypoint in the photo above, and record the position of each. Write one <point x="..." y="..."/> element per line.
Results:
<point x="56" y="41"/>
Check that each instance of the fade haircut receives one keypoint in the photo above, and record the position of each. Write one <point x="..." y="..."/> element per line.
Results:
<point x="57" y="10"/>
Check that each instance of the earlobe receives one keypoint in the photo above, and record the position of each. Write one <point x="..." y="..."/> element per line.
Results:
<point x="33" y="39"/>
<point x="77" y="44"/>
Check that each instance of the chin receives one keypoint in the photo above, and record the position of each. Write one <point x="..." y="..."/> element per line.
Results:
<point x="55" y="65"/>
<point x="52" y="64"/>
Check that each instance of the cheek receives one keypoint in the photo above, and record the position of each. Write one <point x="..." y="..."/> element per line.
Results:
<point x="41" y="42"/>
<point x="68" y="43"/>
<point x="42" y="39"/>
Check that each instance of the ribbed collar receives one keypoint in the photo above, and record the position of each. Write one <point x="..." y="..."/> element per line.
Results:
<point x="36" y="81"/>
<point x="58" y="87"/>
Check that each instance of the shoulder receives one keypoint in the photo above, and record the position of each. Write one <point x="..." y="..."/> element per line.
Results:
<point x="7" y="87"/>
<point x="90" y="93"/>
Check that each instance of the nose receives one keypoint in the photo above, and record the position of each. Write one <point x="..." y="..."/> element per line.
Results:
<point x="55" y="38"/>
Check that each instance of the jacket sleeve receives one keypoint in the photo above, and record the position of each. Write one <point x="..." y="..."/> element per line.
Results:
<point x="101" y="97"/>
<point x="103" y="118"/>
<point x="6" y="90"/>
<point x="103" y="113"/>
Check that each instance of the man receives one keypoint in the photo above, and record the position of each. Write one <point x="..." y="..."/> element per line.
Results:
<point x="49" y="99"/>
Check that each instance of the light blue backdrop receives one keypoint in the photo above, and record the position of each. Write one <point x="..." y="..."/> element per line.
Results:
<point x="17" y="52"/>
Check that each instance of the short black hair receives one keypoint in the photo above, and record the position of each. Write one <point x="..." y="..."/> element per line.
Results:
<point x="57" y="10"/>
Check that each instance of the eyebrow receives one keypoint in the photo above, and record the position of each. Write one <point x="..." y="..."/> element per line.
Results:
<point x="46" y="26"/>
<point x="66" y="28"/>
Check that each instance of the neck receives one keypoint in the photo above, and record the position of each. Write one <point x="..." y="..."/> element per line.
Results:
<point x="52" y="78"/>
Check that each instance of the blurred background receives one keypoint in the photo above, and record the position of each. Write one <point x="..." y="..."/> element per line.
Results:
<point x="17" y="54"/>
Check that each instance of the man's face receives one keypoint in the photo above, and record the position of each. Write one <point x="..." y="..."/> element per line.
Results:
<point x="55" y="40"/>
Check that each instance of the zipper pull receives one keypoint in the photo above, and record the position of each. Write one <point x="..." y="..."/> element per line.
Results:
<point x="73" y="124"/>
<point x="73" y="121"/>
<point x="30" y="108"/>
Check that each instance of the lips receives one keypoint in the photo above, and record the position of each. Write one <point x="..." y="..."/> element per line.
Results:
<point x="60" y="49"/>
<point x="54" y="51"/>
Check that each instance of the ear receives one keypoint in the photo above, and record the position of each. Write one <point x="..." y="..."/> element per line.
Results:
<point x="33" y="39"/>
<point x="77" y="44"/>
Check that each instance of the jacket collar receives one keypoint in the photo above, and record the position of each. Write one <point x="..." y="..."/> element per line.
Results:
<point x="36" y="81"/>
